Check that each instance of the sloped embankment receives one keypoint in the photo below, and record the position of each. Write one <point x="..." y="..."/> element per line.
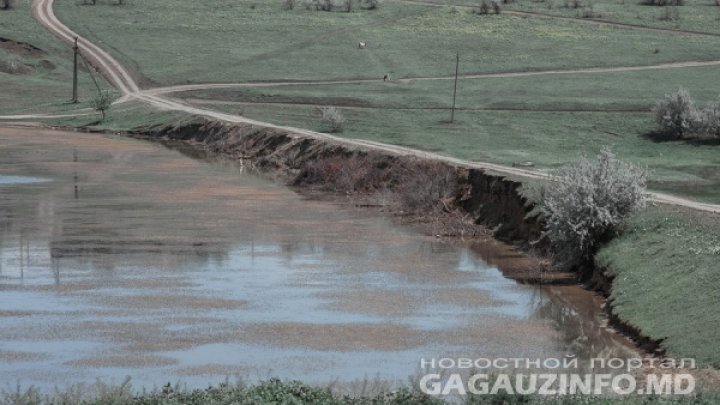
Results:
<point x="488" y="199"/>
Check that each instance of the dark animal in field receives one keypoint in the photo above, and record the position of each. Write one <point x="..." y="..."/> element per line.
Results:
<point x="386" y="78"/>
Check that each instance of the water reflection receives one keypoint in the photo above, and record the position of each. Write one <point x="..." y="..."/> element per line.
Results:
<point x="144" y="262"/>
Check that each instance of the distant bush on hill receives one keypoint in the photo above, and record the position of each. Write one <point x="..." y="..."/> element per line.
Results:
<point x="333" y="116"/>
<point x="678" y="116"/>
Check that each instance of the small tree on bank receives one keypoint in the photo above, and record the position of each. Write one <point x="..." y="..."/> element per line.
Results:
<point x="102" y="102"/>
<point x="334" y="118"/>
<point x="588" y="203"/>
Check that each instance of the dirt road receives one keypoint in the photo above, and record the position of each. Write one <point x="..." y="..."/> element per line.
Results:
<point x="156" y="91"/>
<point x="119" y="77"/>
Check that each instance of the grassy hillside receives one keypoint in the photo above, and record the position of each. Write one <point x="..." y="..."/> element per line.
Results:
<point x="175" y="41"/>
<point x="36" y="76"/>
<point x="668" y="279"/>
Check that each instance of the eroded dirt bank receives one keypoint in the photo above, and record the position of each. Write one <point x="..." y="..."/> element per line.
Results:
<point x="484" y="200"/>
<point x="487" y="199"/>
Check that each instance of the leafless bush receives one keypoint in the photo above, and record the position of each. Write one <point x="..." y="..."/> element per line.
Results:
<point x="495" y="6"/>
<point x="588" y="203"/>
<point x="348" y="174"/>
<point x="334" y="118"/>
<point x="427" y="186"/>
<point x="676" y="113"/>
<point x="348" y="6"/>
<point x="288" y="5"/>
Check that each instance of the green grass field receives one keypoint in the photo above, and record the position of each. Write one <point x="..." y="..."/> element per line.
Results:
<point x="173" y="42"/>
<point x="233" y="41"/>
<point x="667" y="279"/>
<point x="38" y="80"/>
<point x="612" y="91"/>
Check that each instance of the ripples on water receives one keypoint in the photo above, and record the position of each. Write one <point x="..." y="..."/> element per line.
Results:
<point x="120" y="257"/>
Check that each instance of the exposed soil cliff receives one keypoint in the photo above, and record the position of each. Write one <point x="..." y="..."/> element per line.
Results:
<point x="488" y="199"/>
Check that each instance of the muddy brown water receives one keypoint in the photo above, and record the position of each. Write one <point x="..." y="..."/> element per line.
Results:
<point x="120" y="257"/>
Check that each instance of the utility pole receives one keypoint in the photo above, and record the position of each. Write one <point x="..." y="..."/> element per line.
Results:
<point x="75" y="72"/>
<point x="457" y="66"/>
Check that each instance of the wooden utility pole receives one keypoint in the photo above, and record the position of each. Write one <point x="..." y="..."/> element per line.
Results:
<point x="457" y="66"/>
<point x="75" y="72"/>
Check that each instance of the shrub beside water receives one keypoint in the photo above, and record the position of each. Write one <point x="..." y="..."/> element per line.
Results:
<point x="588" y="202"/>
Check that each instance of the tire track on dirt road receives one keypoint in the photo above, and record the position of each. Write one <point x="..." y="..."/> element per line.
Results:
<point x="119" y="77"/>
<point x="157" y="91"/>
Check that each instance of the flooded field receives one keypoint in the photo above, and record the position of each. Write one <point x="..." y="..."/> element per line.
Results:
<point x="120" y="258"/>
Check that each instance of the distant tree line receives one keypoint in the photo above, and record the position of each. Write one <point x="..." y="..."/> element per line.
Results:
<point x="94" y="2"/>
<point x="333" y="5"/>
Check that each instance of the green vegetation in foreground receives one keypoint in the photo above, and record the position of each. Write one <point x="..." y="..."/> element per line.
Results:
<point x="297" y="393"/>
<point x="40" y="82"/>
<point x="668" y="283"/>
<point x="177" y="41"/>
